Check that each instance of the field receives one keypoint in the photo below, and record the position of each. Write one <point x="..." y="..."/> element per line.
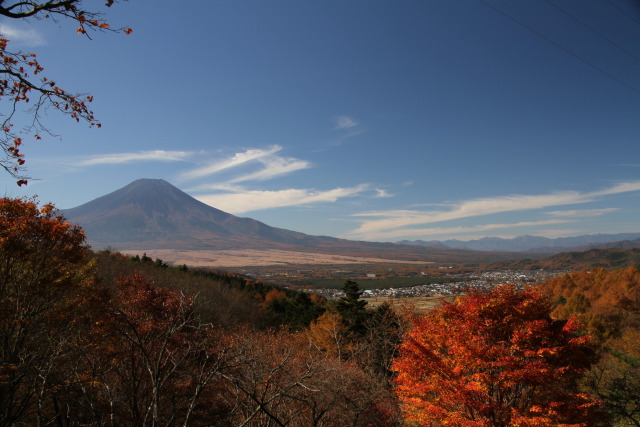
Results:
<point x="378" y="283"/>
<point x="420" y="304"/>
<point x="257" y="257"/>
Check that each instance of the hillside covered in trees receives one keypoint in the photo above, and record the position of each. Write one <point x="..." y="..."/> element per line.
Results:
<point x="104" y="339"/>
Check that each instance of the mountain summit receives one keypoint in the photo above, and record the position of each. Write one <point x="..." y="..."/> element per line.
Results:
<point x="151" y="213"/>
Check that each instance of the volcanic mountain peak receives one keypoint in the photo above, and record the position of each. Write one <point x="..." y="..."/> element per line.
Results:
<point x="153" y="196"/>
<point x="151" y="213"/>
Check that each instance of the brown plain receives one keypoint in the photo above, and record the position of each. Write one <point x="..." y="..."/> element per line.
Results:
<point x="256" y="257"/>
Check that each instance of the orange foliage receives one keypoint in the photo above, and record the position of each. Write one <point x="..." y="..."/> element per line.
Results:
<point x="318" y="300"/>
<point x="273" y="295"/>
<point x="330" y="335"/>
<point x="604" y="301"/>
<point x="493" y="359"/>
<point x="43" y="272"/>
<point x="282" y="379"/>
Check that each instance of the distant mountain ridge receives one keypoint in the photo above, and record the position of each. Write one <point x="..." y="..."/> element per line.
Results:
<point x="536" y="243"/>
<point x="609" y="258"/>
<point x="153" y="214"/>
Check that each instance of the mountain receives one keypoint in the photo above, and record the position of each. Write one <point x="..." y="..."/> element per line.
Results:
<point x="537" y="244"/>
<point x="153" y="214"/>
<point x="579" y="260"/>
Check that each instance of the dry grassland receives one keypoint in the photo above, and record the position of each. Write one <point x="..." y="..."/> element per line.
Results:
<point x="420" y="304"/>
<point x="255" y="257"/>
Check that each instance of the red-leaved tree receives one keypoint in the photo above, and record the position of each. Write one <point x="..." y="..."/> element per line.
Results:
<point x="44" y="270"/>
<point x="147" y="360"/>
<point x="494" y="359"/>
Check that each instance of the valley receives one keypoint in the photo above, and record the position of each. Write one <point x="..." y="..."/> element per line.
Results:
<point x="258" y="257"/>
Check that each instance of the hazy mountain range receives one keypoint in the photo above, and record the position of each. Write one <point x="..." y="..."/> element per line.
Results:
<point x="153" y="214"/>
<point x="537" y="244"/>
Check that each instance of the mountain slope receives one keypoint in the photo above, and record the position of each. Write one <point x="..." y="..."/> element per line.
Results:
<point x="152" y="211"/>
<point x="535" y="243"/>
<point x="582" y="260"/>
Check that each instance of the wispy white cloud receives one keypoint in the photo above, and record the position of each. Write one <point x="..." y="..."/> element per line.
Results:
<point x="344" y="122"/>
<point x="272" y="167"/>
<point x="623" y="187"/>
<point x="448" y="231"/>
<point x="140" y="156"/>
<point x="382" y="193"/>
<point x="575" y="213"/>
<point x="253" y="200"/>
<point x="472" y="208"/>
<point x="396" y="222"/>
<point x="238" y="159"/>
<point x="344" y="127"/>
<point x="19" y="34"/>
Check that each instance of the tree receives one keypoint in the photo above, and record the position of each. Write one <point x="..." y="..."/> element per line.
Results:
<point x="607" y="302"/>
<point x="145" y="359"/>
<point x="23" y="90"/>
<point x="281" y="379"/>
<point x="616" y="378"/>
<point x="351" y="300"/>
<point x="494" y="358"/>
<point x="383" y="333"/>
<point x="44" y="268"/>
<point x="351" y="307"/>
<point x="329" y="335"/>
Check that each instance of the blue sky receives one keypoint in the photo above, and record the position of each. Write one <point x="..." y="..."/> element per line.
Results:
<point x="368" y="120"/>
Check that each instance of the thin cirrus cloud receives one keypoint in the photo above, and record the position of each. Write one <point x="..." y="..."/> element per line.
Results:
<point x="272" y="168"/>
<point x="396" y="223"/>
<point x="443" y="231"/>
<point x="344" y="122"/>
<point x="238" y="159"/>
<point x="253" y="200"/>
<point x="582" y="213"/>
<point x="26" y="36"/>
<point x="140" y="156"/>
<point x="231" y="197"/>
<point x="382" y="194"/>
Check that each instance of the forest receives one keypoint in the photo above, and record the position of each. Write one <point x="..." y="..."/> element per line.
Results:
<point x="99" y="338"/>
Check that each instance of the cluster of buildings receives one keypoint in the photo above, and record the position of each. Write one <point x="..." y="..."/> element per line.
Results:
<point x="484" y="280"/>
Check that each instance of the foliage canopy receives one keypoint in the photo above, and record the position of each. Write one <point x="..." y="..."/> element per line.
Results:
<point x="494" y="359"/>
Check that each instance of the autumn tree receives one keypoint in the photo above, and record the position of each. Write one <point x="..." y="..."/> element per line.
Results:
<point x="147" y="360"/>
<point x="223" y="300"/>
<point x="616" y="378"/>
<point x="338" y="331"/>
<point x="282" y="379"/>
<point x="329" y="335"/>
<point x="296" y="309"/>
<point x="607" y="302"/>
<point x="44" y="267"/>
<point x="494" y="358"/>
<point x="23" y="90"/>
